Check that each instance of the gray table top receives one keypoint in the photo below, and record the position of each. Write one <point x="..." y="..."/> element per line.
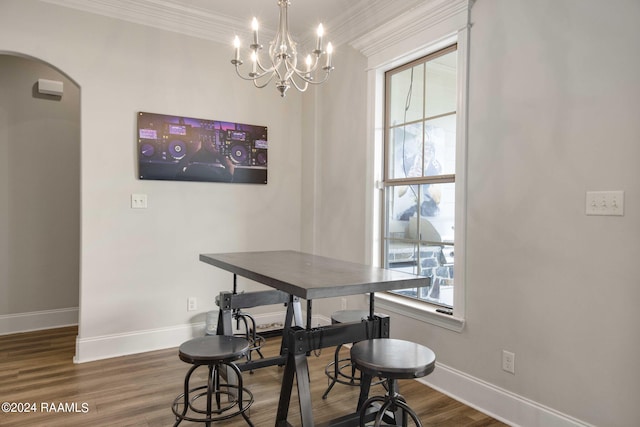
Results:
<point x="311" y="276"/>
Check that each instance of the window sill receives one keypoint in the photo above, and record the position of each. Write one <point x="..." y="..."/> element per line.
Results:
<point x="417" y="310"/>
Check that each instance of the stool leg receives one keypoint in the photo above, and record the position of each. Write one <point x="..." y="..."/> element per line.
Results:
<point x="185" y="396"/>
<point x="254" y="336"/>
<point x="336" y="371"/>
<point x="215" y="375"/>
<point x="365" y="385"/>
<point x="240" y="391"/>
<point x="407" y="410"/>
<point x="363" y="409"/>
<point x="211" y="386"/>
<point x="382" y="411"/>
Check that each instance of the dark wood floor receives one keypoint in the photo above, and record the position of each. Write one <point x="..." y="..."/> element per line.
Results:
<point x="37" y="368"/>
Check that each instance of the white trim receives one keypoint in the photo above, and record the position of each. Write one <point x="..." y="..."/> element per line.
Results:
<point x="459" y="298"/>
<point x="420" y="22"/>
<point x="417" y="310"/>
<point x="513" y="409"/>
<point x="168" y="16"/>
<point x="442" y="23"/>
<point x="207" y="24"/>
<point x="116" y="345"/>
<point x="38" y="320"/>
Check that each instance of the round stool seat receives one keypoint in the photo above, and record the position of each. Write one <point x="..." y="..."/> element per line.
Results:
<point x="213" y="349"/>
<point x="393" y="358"/>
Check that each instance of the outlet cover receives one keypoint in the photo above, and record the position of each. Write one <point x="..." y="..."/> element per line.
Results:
<point x="508" y="361"/>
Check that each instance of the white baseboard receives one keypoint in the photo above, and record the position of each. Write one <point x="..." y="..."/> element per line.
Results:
<point x="38" y="320"/>
<point x="115" y="345"/>
<point x="496" y="402"/>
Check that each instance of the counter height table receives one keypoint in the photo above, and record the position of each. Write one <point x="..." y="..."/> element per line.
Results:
<point x="296" y="275"/>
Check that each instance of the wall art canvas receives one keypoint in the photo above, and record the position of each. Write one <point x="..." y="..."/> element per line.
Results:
<point x="188" y="149"/>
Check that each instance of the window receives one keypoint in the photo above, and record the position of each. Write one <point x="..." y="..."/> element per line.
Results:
<point x="420" y="145"/>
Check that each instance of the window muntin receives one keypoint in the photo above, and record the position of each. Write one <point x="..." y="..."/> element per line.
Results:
<point x="420" y="149"/>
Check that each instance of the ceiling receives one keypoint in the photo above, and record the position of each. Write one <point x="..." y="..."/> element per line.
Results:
<point x="219" y="20"/>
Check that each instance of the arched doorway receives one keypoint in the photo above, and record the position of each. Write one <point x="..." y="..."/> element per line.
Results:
<point x="39" y="198"/>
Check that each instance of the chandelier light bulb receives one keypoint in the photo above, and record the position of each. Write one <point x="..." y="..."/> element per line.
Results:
<point x="320" y="33"/>
<point x="329" y="65"/>
<point x="254" y="27"/>
<point x="236" y="45"/>
<point x="308" y="61"/>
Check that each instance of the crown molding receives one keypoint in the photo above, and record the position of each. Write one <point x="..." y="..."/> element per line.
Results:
<point x="166" y="15"/>
<point x="425" y="15"/>
<point x="357" y="19"/>
<point x="361" y="16"/>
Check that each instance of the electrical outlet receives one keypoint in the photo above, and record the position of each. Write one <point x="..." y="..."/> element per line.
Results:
<point x="343" y="303"/>
<point x="508" y="361"/>
<point x="192" y="304"/>
<point x="139" y="201"/>
<point x="605" y="203"/>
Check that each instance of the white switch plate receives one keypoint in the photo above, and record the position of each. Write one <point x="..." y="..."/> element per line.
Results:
<point x="139" y="201"/>
<point x="605" y="203"/>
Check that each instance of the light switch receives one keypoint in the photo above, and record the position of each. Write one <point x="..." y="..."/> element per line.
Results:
<point x="605" y="203"/>
<point x="139" y="201"/>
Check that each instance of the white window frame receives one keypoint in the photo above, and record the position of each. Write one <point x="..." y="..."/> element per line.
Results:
<point x="425" y="29"/>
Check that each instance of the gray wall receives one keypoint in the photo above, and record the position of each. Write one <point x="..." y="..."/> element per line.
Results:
<point x="553" y="112"/>
<point x="39" y="190"/>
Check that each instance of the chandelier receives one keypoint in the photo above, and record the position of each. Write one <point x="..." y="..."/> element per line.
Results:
<point x="282" y="61"/>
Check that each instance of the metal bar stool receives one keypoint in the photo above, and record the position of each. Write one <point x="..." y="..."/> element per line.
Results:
<point x="392" y="359"/>
<point x="342" y="370"/>
<point x="216" y="352"/>
<point x="243" y="318"/>
<point x="256" y="341"/>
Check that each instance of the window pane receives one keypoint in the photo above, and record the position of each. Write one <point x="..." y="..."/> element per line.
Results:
<point x="422" y="243"/>
<point x="441" y="85"/>
<point x="405" y="145"/>
<point x="407" y="95"/>
<point x="440" y="146"/>
<point x="437" y="211"/>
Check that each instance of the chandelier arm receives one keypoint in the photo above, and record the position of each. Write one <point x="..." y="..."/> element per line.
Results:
<point x="312" y="80"/>
<point x="245" y="78"/>
<point x="255" y="78"/>
<point x="262" y="68"/>
<point x="295" y="83"/>
<point x="260" y="86"/>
